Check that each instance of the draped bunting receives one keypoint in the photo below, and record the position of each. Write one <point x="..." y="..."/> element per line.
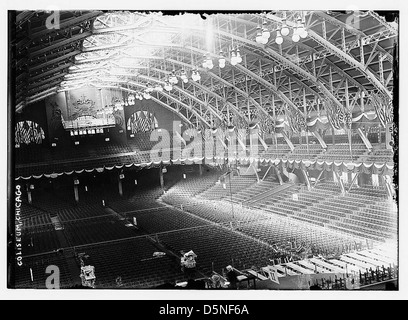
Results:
<point x="367" y="167"/>
<point x="296" y="120"/>
<point x="335" y="114"/>
<point x="266" y="124"/>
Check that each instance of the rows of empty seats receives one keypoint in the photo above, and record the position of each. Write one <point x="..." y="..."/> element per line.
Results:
<point x="254" y="190"/>
<point x="165" y="219"/>
<point x="305" y="152"/>
<point x="97" y="230"/>
<point x="380" y="156"/>
<point x="38" y="266"/>
<point x="189" y="187"/>
<point x="38" y="239"/>
<point x="218" y="247"/>
<point x="230" y="186"/>
<point x="341" y="152"/>
<point x="277" y="151"/>
<point x="131" y="260"/>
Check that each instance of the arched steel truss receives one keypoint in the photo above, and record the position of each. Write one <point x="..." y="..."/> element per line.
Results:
<point x="336" y="62"/>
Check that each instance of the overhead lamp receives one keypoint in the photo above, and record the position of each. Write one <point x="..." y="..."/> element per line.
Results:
<point x="279" y="38"/>
<point x="302" y="31"/>
<point x="146" y="95"/>
<point x="168" y="86"/>
<point x="285" y="30"/>
<point x="295" y="36"/>
<point x="264" y="40"/>
<point x="233" y="58"/>
<point x="265" y="32"/>
<point x="239" y="58"/>
<point x="158" y="88"/>
<point x="258" y="38"/>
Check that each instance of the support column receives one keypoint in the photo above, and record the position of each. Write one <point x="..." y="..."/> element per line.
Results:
<point x="343" y="191"/>
<point x="278" y="174"/>
<point x="318" y="178"/>
<point x="365" y="140"/>
<point x="30" y="199"/>
<point x="266" y="173"/>
<point x="263" y="142"/>
<point x="76" y="193"/>
<point x="333" y="137"/>
<point x="306" y="179"/>
<point x="161" y="178"/>
<point x="120" y="187"/>
<point x="200" y="169"/>
<point x="320" y="139"/>
<point x="353" y="181"/>
<point x="292" y="147"/>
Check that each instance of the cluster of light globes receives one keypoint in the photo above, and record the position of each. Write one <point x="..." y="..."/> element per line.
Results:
<point x="299" y="32"/>
<point x="82" y="132"/>
<point x="235" y="59"/>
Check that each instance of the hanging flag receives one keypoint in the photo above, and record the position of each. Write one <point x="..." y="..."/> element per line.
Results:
<point x="384" y="109"/>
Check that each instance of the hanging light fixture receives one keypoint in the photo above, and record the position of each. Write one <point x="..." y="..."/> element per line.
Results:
<point x="295" y="36"/>
<point x="168" y="86"/>
<point x="183" y="76"/>
<point x="233" y="58"/>
<point x="210" y="64"/>
<point x="221" y="61"/>
<point x="146" y="95"/>
<point x="239" y="58"/>
<point x="195" y="76"/>
<point x="284" y="30"/>
<point x="258" y="38"/>
<point x="279" y="38"/>
<point x="265" y="32"/>
<point x="302" y="30"/>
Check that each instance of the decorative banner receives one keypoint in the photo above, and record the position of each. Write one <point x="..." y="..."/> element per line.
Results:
<point x="384" y="109"/>
<point x="27" y="132"/>
<point x="296" y="120"/>
<point x="142" y="121"/>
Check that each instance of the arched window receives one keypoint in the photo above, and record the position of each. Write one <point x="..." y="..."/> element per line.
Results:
<point x="28" y="132"/>
<point x="142" y="121"/>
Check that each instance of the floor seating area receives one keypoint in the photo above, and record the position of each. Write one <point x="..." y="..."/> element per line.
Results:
<point x="98" y="230"/>
<point x="38" y="266"/>
<point x="133" y="261"/>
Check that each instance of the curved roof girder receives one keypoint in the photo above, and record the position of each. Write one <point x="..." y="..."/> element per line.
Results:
<point x="154" y="99"/>
<point x="202" y="52"/>
<point x="184" y="92"/>
<point x="173" y="99"/>
<point x="342" y="55"/>
<point x="351" y="29"/>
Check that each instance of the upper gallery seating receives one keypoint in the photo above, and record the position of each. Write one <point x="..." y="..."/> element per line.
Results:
<point x="341" y="152"/>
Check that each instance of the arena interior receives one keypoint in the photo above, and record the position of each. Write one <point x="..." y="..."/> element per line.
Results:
<point x="212" y="151"/>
